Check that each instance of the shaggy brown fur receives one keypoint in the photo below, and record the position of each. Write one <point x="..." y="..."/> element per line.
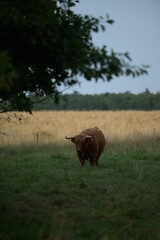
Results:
<point x="89" y="145"/>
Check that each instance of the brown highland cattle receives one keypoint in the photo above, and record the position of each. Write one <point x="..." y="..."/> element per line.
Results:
<point x="89" y="145"/>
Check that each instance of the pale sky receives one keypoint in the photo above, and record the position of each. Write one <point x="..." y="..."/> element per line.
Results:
<point x="136" y="30"/>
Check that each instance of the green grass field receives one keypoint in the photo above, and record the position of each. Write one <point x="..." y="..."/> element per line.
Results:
<point x="46" y="194"/>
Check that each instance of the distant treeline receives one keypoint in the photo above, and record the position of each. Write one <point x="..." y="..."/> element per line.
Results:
<point x="107" y="101"/>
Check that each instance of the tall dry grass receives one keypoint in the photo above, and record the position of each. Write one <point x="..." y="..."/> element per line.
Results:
<point x="53" y="126"/>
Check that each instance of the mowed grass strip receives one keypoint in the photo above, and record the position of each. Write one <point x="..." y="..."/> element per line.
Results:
<point x="46" y="194"/>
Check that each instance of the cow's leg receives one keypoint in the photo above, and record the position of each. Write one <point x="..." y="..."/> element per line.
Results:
<point x="82" y="162"/>
<point x="92" y="161"/>
<point x="97" y="158"/>
<point x="96" y="162"/>
<point x="80" y="157"/>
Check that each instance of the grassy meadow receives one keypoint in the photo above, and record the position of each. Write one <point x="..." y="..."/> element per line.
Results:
<point x="46" y="194"/>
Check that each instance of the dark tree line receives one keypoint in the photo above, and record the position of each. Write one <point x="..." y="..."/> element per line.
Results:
<point x="107" y="101"/>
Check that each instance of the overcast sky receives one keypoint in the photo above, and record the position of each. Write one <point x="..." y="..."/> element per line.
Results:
<point x="136" y="30"/>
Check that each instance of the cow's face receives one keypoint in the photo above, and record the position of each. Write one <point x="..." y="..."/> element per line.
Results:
<point x="81" y="141"/>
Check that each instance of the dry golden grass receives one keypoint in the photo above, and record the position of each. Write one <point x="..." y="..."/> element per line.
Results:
<point x="53" y="126"/>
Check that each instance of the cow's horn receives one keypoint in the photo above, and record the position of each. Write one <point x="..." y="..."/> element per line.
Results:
<point x="69" y="137"/>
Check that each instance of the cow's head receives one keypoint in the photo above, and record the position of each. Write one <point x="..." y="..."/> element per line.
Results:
<point x="80" y="141"/>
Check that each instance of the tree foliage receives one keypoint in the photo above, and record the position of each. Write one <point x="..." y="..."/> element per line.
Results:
<point x="44" y="44"/>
